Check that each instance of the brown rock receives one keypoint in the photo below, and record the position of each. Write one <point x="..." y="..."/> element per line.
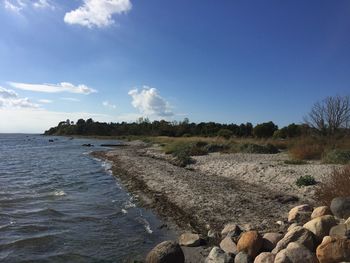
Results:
<point x="321" y="211"/>
<point x="228" y="245"/>
<point x="299" y="212"/>
<point x="333" y="250"/>
<point x="321" y="226"/>
<point x="166" y="252"/>
<point x="295" y="253"/>
<point x="190" y="240"/>
<point x="265" y="257"/>
<point x="270" y="241"/>
<point x="250" y="243"/>
<point x="299" y="235"/>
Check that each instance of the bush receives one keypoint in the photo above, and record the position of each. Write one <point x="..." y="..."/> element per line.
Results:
<point x="214" y="147"/>
<point x="305" y="181"/>
<point x="307" y="149"/>
<point x="265" y="130"/>
<point x="337" y="157"/>
<point x="225" y="133"/>
<point x="295" y="162"/>
<point x="182" y="158"/>
<point x="336" y="185"/>
<point x="255" y="148"/>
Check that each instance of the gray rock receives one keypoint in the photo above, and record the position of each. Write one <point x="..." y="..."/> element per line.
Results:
<point x="265" y="257"/>
<point x="190" y="240"/>
<point x="242" y="257"/>
<point x="217" y="255"/>
<point x="341" y="230"/>
<point x="270" y="240"/>
<point x="299" y="235"/>
<point x="295" y="253"/>
<point x="166" y="252"/>
<point x="231" y="229"/>
<point x="228" y="245"/>
<point x="340" y="207"/>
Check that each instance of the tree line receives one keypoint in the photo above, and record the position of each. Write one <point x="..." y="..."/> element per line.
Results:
<point x="327" y="117"/>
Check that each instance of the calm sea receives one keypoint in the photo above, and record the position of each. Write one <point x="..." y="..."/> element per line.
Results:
<point x="58" y="204"/>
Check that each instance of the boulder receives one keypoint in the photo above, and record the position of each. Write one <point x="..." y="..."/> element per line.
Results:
<point x="270" y="241"/>
<point x="166" y="252"/>
<point x="292" y="226"/>
<point x="190" y="240"/>
<point x="228" y="245"/>
<point x="299" y="235"/>
<point x="299" y="213"/>
<point x="341" y="230"/>
<point x="265" y="257"/>
<point x="217" y="255"/>
<point x="243" y="257"/>
<point x="321" y="226"/>
<point x="251" y="243"/>
<point x="231" y="229"/>
<point x="333" y="250"/>
<point x="295" y="253"/>
<point x="321" y="211"/>
<point x="340" y="207"/>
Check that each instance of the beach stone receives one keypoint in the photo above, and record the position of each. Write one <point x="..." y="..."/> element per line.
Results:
<point x="333" y="250"/>
<point x="265" y="257"/>
<point x="299" y="235"/>
<point x="217" y="255"/>
<point x="300" y="213"/>
<point x="166" y="252"/>
<point x="270" y="241"/>
<point x="321" y="211"/>
<point x="295" y="253"/>
<point x="243" y="257"/>
<point x="213" y="234"/>
<point x="340" y="207"/>
<point x="228" y="245"/>
<point x="190" y="240"/>
<point x="341" y="230"/>
<point x="231" y="229"/>
<point x="321" y="226"/>
<point x="292" y="226"/>
<point x="250" y="242"/>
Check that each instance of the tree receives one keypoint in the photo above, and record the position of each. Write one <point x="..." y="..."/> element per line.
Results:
<point x="265" y="130"/>
<point x="330" y="115"/>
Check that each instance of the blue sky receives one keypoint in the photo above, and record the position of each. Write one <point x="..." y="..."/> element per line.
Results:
<point x="116" y="60"/>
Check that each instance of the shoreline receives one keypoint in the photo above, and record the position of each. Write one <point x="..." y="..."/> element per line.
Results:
<point x="195" y="201"/>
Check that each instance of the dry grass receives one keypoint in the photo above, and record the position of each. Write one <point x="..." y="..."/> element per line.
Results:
<point x="307" y="149"/>
<point x="337" y="185"/>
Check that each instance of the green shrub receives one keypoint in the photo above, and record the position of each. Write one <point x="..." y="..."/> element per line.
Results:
<point x="182" y="158"/>
<point x="295" y="162"/>
<point x="337" y="157"/>
<point x="255" y="148"/>
<point x="305" y="181"/>
<point x="225" y="133"/>
<point x="214" y="147"/>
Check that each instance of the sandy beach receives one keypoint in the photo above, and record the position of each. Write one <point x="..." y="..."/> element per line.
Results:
<point x="252" y="190"/>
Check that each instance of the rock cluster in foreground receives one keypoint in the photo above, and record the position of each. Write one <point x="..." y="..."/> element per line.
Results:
<point x="310" y="235"/>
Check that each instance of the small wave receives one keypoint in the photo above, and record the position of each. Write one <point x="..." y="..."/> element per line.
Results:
<point x="59" y="193"/>
<point x="7" y="225"/>
<point x="124" y="211"/>
<point x="145" y="224"/>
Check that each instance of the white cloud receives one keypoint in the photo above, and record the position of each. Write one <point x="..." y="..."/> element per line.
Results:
<point x="43" y="4"/>
<point x="18" y="5"/>
<point x="10" y="99"/>
<point x="107" y="104"/>
<point x="70" y="99"/>
<point x="45" y="101"/>
<point x="97" y="13"/>
<point x="149" y="102"/>
<point x="54" y="88"/>
<point x="14" y="5"/>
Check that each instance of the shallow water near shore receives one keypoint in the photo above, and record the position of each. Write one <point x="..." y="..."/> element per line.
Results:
<point x="58" y="204"/>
